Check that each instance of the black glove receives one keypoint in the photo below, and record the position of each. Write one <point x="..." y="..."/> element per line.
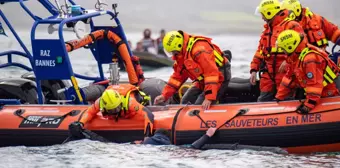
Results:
<point x="302" y="109"/>
<point x="76" y="130"/>
<point x="227" y="53"/>
<point x="277" y="100"/>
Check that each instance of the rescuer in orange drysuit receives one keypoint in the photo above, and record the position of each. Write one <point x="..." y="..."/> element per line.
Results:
<point x="197" y="58"/>
<point x="318" y="29"/>
<point x="118" y="101"/>
<point x="268" y="59"/>
<point x="312" y="70"/>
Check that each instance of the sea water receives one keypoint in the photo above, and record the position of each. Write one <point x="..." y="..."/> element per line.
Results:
<point x="87" y="153"/>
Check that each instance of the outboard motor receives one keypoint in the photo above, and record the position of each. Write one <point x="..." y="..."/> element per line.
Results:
<point x="18" y="88"/>
<point x="49" y="87"/>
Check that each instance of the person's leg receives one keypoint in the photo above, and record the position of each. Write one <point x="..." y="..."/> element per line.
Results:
<point x="266" y="96"/>
<point x="226" y="71"/>
<point x="266" y="88"/>
<point x="200" y="99"/>
<point x="191" y="95"/>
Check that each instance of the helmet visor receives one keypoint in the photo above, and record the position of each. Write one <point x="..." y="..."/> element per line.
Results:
<point x="257" y="12"/>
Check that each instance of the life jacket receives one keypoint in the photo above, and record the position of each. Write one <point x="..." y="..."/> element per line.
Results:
<point x="269" y="36"/>
<point x="125" y="91"/>
<point x="331" y="71"/>
<point x="273" y="56"/>
<point x="313" y="29"/>
<point x="194" y="69"/>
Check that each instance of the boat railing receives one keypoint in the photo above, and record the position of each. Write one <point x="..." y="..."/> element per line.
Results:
<point x="10" y="62"/>
<point x="49" y="58"/>
<point x="61" y="67"/>
<point x="10" y="53"/>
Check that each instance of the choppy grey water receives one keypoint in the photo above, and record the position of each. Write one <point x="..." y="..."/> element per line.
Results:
<point x="85" y="154"/>
<point x="242" y="47"/>
<point x="95" y="154"/>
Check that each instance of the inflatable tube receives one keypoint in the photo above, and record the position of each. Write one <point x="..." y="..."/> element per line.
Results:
<point x="93" y="92"/>
<point x="239" y="90"/>
<point x="114" y="39"/>
<point x="268" y="124"/>
<point x="152" y="87"/>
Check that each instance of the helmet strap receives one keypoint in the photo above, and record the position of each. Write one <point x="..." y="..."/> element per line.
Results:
<point x="117" y="117"/>
<point x="299" y="18"/>
<point x="301" y="46"/>
<point x="104" y="113"/>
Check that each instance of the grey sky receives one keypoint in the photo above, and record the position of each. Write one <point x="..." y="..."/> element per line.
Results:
<point x="206" y="16"/>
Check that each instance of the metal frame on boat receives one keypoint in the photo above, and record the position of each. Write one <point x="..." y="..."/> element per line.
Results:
<point x="270" y="124"/>
<point x="49" y="58"/>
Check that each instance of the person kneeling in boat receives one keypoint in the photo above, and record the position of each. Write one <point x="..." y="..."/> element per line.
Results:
<point x="312" y="70"/>
<point x="197" y="58"/>
<point x="116" y="102"/>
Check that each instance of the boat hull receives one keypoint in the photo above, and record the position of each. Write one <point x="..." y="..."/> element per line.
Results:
<point x="152" y="60"/>
<point x="262" y="124"/>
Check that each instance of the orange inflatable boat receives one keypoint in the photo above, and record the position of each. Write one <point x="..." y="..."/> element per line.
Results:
<point x="262" y="124"/>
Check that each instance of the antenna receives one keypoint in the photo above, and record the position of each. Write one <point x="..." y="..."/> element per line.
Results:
<point x="60" y="10"/>
<point x="114" y="7"/>
<point x="99" y="4"/>
<point x="68" y="8"/>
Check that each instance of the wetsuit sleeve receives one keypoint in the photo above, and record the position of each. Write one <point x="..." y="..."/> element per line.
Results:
<point x="178" y="77"/>
<point x="314" y="78"/>
<point x="135" y="106"/>
<point x="203" y="54"/>
<point x="286" y="87"/>
<point x="90" y="113"/>
<point x="198" y="144"/>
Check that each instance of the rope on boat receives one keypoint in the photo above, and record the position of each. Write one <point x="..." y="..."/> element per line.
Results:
<point x="19" y="113"/>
